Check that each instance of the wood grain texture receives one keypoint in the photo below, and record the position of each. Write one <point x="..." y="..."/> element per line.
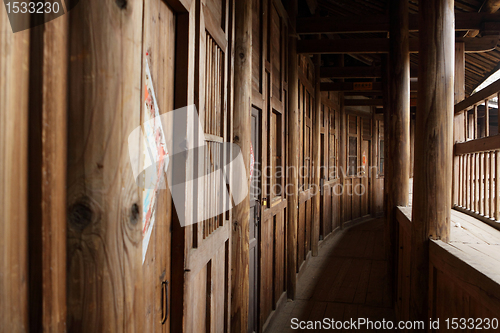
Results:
<point x="14" y="71"/>
<point x="53" y="174"/>
<point x="316" y="161"/>
<point x="242" y="137"/>
<point x="104" y="201"/>
<point x="293" y="154"/>
<point x="433" y="143"/>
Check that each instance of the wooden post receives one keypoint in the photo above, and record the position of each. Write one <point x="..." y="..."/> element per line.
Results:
<point x="397" y="125"/>
<point x="316" y="157"/>
<point x="14" y="66"/>
<point x="433" y="144"/>
<point x="242" y="137"/>
<point x="458" y="121"/>
<point x="293" y="153"/>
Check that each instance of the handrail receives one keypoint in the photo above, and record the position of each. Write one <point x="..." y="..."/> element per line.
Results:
<point x="479" y="145"/>
<point x="490" y="91"/>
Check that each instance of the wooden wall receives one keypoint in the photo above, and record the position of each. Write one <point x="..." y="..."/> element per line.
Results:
<point x="105" y="274"/>
<point x="184" y="283"/>
<point x="330" y="164"/>
<point x="270" y="91"/>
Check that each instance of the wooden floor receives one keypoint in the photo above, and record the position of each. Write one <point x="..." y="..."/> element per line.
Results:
<point x="347" y="280"/>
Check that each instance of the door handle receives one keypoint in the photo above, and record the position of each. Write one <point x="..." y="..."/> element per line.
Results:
<point x="164" y="302"/>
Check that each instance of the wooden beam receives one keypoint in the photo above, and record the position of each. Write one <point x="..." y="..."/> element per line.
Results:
<point x="313" y="5"/>
<point x="340" y="46"/>
<point x="362" y="87"/>
<point x="293" y="156"/>
<point x="242" y="137"/>
<point x="366" y="72"/>
<point x="478" y="145"/>
<point x="381" y="23"/>
<point x="351" y="72"/>
<point x="327" y="25"/>
<point x="487" y="93"/>
<point x="381" y="45"/>
<point x="490" y="6"/>
<point x="364" y="102"/>
<point x="433" y="145"/>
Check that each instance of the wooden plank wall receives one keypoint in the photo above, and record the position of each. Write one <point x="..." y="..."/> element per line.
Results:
<point x="104" y="265"/>
<point x="14" y="87"/>
<point x="270" y="97"/>
<point x="330" y="163"/>
<point x="306" y="190"/>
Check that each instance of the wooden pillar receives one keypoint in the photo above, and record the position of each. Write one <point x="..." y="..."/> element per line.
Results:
<point x="458" y="121"/>
<point x="433" y="144"/>
<point x="293" y="153"/>
<point x="14" y="68"/>
<point x="397" y="126"/>
<point x="316" y="157"/>
<point x="242" y="137"/>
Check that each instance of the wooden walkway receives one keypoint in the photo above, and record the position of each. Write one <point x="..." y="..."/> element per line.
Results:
<point x="347" y="280"/>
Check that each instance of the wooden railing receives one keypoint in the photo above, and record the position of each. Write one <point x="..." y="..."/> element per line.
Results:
<point x="477" y="163"/>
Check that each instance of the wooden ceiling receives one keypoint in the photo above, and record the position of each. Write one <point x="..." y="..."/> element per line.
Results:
<point x="479" y="66"/>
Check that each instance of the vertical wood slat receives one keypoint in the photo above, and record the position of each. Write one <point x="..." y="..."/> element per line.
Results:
<point x="481" y="183"/>
<point x="14" y="96"/>
<point x="476" y="183"/>
<point x="460" y="180"/>
<point x="467" y="181"/>
<point x="476" y="136"/>
<point x="491" y="184"/>
<point x="486" y="118"/>
<point x="497" y="185"/>
<point x="486" y="168"/>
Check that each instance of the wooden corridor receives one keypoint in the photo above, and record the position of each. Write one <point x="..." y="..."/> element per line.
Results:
<point x="346" y="280"/>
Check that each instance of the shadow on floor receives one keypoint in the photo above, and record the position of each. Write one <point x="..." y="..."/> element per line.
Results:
<point x="347" y="280"/>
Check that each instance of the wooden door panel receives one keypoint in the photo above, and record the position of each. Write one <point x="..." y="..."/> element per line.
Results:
<point x="207" y="243"/>
<point x="159" y="44"/>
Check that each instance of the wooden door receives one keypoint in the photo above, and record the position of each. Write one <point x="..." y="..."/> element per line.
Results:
<point x="208" y="243"/>
<point x="159" y="47"/>
<point x="254" y="224"/>
<point x="365" y="179"/>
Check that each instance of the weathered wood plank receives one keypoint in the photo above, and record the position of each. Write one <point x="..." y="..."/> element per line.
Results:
<point x="242" y="137"/>
<point x="14" y="71"/>
<point x="293" y="154"/>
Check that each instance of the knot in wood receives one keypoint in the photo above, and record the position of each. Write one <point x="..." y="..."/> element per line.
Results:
<point x="80" y="214"/>
<point x="122" y="4"/>
<point x="134" y="214"/>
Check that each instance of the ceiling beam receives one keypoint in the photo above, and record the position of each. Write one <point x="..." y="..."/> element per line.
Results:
<point x="351" y="72"/>
<point x="490" y="6"/>
<point x="365" y="72"/>
<point x="362" y="87"/>
<point x="381" y="45"/>
<point x="381" y="23"/>
<point x="364" y="102"/>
